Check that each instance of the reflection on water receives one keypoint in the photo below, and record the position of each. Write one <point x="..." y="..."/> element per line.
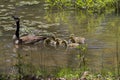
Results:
<point x="100" y="33"/>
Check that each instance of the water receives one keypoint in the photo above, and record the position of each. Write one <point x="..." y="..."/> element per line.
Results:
<point x="101" y="33"/>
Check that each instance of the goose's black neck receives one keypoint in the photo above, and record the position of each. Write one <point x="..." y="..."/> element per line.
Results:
<point x="17" y="29"/>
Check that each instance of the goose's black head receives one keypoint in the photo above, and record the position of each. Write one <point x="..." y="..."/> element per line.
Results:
<point x="16" y="18"/>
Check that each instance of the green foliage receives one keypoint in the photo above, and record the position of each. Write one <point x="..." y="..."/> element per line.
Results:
<point x="107" y="76"/>
<point x="58" y="3"/>
<point x="82" y="47"/>
<point x="69" y="73"/>
<point x="94" y="5"/>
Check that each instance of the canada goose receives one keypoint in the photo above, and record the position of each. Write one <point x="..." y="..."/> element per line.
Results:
<point x="61" y="43"/>
<point x="50" y="43"/>
<point x="64" y="44"/>
<point x="73" y="45"/>
<point x="55" y="42"/>
<point x="29" y="39"/>
<point x="74" y="39"/>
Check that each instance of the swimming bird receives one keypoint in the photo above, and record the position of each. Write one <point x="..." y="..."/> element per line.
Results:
<point x="61" y="43"/>
<point x="65" y="45"/>
<point x="49" y="42"/>
<point x="74" y="39"/>
<point x="29" y="39"/>
<point x="73" y="45"/>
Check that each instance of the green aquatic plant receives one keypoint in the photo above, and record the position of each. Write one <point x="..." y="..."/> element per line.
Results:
<point x="82" y="47"/>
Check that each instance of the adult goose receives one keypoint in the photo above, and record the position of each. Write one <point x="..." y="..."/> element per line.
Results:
<point x="29" y="39"/>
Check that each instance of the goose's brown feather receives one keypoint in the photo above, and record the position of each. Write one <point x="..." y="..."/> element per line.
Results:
<point x="31" y="39"/>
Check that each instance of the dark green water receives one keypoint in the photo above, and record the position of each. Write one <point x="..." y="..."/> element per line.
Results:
<point x="101" y="33"/>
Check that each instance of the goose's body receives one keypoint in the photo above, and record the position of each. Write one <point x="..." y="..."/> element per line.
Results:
<point x="29" y="39"/>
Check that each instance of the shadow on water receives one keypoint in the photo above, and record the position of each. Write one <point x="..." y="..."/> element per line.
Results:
<point x="101" y="33"/>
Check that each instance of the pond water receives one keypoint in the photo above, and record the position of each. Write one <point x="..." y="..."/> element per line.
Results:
<point x="101" y="33"/>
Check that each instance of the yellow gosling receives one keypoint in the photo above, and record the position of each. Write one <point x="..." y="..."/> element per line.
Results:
<point x="74" y="39"/>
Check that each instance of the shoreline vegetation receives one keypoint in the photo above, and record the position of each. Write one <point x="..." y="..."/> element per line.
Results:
<point x="62" y="74"/>
<point x="95" y="6"/>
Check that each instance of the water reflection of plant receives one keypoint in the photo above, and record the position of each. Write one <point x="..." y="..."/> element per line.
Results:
<point x="78" y="22"/>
